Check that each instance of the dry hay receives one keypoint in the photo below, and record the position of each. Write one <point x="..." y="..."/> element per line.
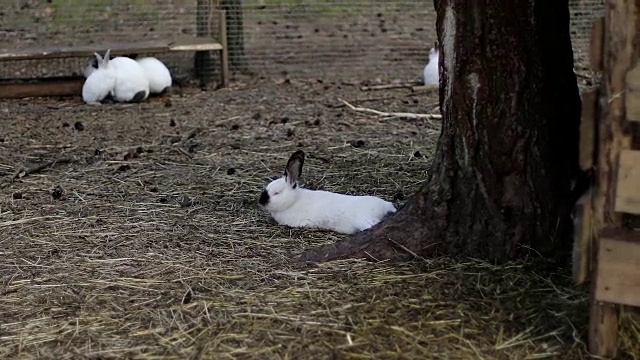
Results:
<point x="155" y="248"/>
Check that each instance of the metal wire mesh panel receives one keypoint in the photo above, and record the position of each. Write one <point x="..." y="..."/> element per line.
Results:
<point x="33" y="23"/>
<point x="364" y="40"/>
<point x="348" y="39"/>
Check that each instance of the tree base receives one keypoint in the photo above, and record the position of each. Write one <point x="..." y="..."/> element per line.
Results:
<point x="400" y="237"/>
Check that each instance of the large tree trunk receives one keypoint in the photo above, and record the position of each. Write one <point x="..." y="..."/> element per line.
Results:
<point x="500" y="183"/>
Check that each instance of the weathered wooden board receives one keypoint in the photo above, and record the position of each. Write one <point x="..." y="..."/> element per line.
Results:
<point x="80" y="51"/>
<point x="583" y="235"/>
<point x="628" y="186"/>
<point x="619" y="267"/>
<point x="588" y="129"/>
<point x="632" y="93"/>
<point x="43" y="87"/>
<point x="195" y="44"/>
<point x="596" y="46"/>
<point x="145" y="47"/>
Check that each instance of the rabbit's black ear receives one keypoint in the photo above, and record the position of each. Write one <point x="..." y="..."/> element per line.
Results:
<point x="97" y="60"/>
<point x="294" y="167"/>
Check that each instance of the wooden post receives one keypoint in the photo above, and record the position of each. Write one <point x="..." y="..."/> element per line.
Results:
<point x="224" y="54"/>
<point x="202" y="59"/>
<point x="235" y="33"/>
<point x="584" y="223"/>
<point x="595" y="50"/>
<point x="618" y="56"/>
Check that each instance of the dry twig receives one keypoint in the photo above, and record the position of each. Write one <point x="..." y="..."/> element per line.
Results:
<point x="24" y="171"/>
<point x="388" y="86"/>
<point x="405" y="115"/>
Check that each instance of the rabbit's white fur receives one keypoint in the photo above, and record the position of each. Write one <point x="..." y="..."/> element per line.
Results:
<point x="291" y="205"/>
<point x="431" y="69"/>
<point x="100" y="82"/>
<point x="131" y="82"/>
<point x="157" y="73"/>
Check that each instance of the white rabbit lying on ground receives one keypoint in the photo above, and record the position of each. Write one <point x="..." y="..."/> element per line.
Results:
<point x="291" y="205"/>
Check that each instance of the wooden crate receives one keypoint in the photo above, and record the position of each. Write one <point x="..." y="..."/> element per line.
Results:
<point x="605" y="252"/>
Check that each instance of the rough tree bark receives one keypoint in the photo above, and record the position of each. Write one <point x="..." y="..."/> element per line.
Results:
<point x="502" y="174"/>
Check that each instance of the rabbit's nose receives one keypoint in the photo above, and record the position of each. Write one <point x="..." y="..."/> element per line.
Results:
<point x="264" y="198"/>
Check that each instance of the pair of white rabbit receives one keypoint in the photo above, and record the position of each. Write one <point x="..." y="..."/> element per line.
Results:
<point x="291" y="205"/>
<point x="124" y="79"/>
<point x="431" y="69"/>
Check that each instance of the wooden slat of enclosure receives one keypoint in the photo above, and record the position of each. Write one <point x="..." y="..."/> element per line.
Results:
<point x="42" y="87"/>
<point x="195" y="44"/>
<point x="80" y="51"/>
<point x="583" y="236"/>
<point x="628" y="186"/>
<point x="150" y="47"/>
<point x="619" y="267"/>
<point x="596" y="45"/>
<point x="632" y="94"/>
<point x="588" y="129"/>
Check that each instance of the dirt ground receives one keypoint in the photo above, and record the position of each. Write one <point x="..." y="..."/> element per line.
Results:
<point x="143" y="238"/>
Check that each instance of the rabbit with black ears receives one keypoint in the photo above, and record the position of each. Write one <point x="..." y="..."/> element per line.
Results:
<point x="291" y="205"/>
<point x="131" y="84"/>
<point x="100" y="82"/>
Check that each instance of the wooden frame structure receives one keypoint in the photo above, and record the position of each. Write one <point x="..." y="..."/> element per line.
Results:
<point x="606" y="250"/>
<point x="203" y="44"/>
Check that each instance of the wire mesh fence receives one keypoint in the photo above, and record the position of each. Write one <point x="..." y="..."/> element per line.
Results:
<point x="363" y="40"/>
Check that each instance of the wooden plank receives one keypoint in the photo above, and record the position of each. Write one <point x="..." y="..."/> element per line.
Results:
<point x="619" y="268"/>
<point x="596" y="45"/>
<point x="603" y="316"/>
<point x="632" y="94"/>
<point x="196" y="44"/>
<point x="603" y="327"/>
<point x="148" y="47"/>
<point x="68" y="86"/>
<point x="583" y="234"/>
<point x="52" y="52"/>
<point x="588" y="129"/>
<point x="628" y="186"/>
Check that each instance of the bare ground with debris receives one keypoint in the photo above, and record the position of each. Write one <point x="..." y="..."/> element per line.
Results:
<point x="133" y="231"/>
